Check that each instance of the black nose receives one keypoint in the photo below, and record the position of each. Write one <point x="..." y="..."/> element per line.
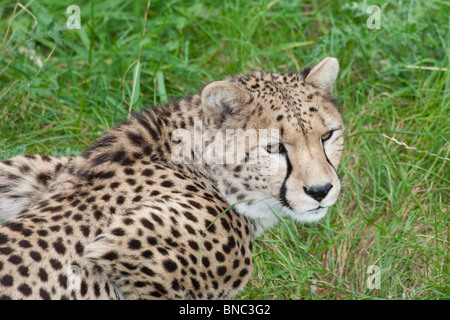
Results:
<point x="318" y="193"/>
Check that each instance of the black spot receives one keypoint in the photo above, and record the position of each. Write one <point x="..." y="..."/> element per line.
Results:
<point x="157" y="219"/>
<point x="120" y="200"/>
<point x="6" y="250"/>
<point x="225" y="224"/>
<point x="175" y="233"/>
<point x="148" y="271"/>
<point x="170" y="265"/>
<point x="195" y="284"/>
<point x="43" y="244"/>
<point x="183" y="261"/>
<point x="83" y="288"/>
<point x="57" y="217"/>
<point x="211" y="227"/>
<point x="3" y="238"/>
<point x="111" y="255"/>
<point x="85" y="230"/>
<point x="118" y="232"/>
<point x="207" y="245"/>
<point x="134" y="244"/>
<point x="220" y="257"/>
<point x="98" y="215"/>
<point x="62" y="280"/>
<point x="190" y="216"/>
<point x="221" y="270"/>
<point x="14" y="226"/>
<point x="160" y="287"/>
<point x="236" y="283"/>
<point x="191" y="188"/>
<point x="212" y="211"/>
<point x="155" y="193"/>
<point x="193" y="244"/>
<point x="90" y="199"/>
<point x="55" y="228"/>
<point x="146" y="223"/>
<point x="131" y="182"/>
<point x="129" y="266"/>
<point x="243" y="272"/>
<point x="42" y="233"/>
<point x="104" y="141"/>
<point x="140" y="284"/>
<point x="24" y="244"/>
<point x="118" y="156"/>
<point x="147" y="172"/>
<point x="189" y="229"/>
<point x="163" y="251"/>
<point x="170" y="242"/>
<point x="152" y="241"/>
<point x="56" y="264"/>
<point x="155" y="294"/>
<point x="205" y="262"/>
<point x="36" y="256"/>
<point x="42" y="274"/>
<point x="51" y="209"/>
<point x="114" y="185"/>
<point x="79" y="248"/>
<point x="195" y="204"/>
<point x="127" y="162"/>
<point x="75" y="202"/>
<point x="43" y="178"/>
<point x="230" y="245"/>
<point x="99" y="187"/>
<point x="24" y="272"/>
<point x="176" y="285"/>
<point x="44" y="294"/>
<point x="103" y="175"/>
<point x="137" y="155"/>
<point x="167" y="184"/>
<point x="135" y="139"/>
<point x="7" y="281"/>
<point x="101" y="158"/>
<point x="25" y="289"/>
<point x="147" y="254"/>
<point x="15" y="259"/>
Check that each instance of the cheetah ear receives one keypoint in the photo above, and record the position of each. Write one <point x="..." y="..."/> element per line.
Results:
<point x="222" y="98"/>
<point x="324" y="74"/>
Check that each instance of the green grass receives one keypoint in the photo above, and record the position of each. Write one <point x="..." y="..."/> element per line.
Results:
<point x="393" y="212"/>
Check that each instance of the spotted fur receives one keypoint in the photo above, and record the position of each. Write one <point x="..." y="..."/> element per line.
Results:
<point x="123" y="220"/>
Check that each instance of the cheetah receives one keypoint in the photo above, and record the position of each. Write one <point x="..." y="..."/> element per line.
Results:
<point x="124" y="220"/>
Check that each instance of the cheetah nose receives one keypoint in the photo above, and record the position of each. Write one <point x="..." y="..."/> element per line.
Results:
<point x="318" y="193"/>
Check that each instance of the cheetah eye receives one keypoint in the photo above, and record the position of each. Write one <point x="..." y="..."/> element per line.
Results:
<point x="275" y="148"/>
<point x="326" y="136"/>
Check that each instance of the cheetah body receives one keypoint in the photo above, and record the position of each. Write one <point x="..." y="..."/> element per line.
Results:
<point x="123" y="220"/>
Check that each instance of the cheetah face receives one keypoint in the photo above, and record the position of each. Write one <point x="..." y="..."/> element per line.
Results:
<point x="295" y="171"/>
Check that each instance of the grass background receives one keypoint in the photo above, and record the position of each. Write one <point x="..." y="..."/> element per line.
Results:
<point x="393" y="212"/>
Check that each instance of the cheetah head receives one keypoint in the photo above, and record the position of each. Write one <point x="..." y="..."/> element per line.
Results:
<point x="298" y="146"/>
